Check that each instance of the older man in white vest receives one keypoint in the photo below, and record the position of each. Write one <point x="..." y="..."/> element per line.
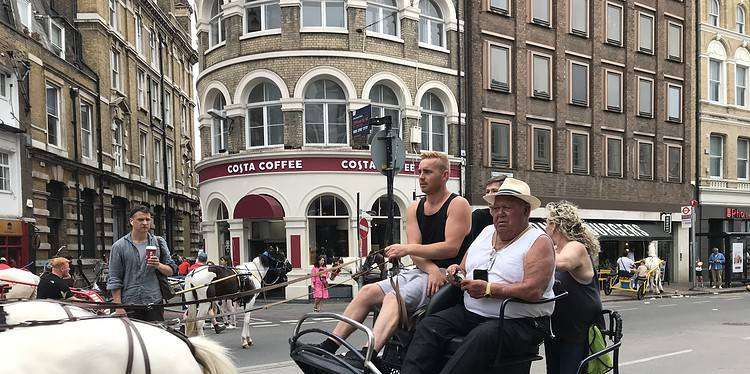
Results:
<point x="514" y="260"/>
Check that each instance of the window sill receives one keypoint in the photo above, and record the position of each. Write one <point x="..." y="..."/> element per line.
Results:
<point x="393" y="38"/>
<point x="217" y="46"/>
<point x="645" y="52"/>
<point x="542" y="98"/>
<point x="615" y="44"/>
<point x="580" y="105"/>
<point x="499" y="90"/>
<point x="499" y="12"/>
<point x="674" y="59"/>
<point x="434" y="47"/>
<point x="274" y="147"/>
<point x="579" y="34"/>
<point x="542" y="170"/>
<point x="645" y="116"/>
<point x="613" y="176"/>
<point x="257" y="34"/>
<point x="646" y="179"/>
<point x="313" y="146"/>
<point x="330" y="30"/>
<point x="618" y="111"/>
<point x="676" y="122"/>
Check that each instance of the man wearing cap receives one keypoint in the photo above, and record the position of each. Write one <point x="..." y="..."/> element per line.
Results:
<point x="518" y="261"/>
<point x="4" y="263"/>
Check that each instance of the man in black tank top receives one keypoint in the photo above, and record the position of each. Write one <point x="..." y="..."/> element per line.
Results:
<point x="435" y="229"/>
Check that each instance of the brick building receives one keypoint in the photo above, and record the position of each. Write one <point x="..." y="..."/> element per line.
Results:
<point x="591" y="102"/>
<point x="105" y="98"/>
<point x="278" y="82"/>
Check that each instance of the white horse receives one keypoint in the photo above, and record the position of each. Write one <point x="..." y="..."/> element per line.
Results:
<point x="98" y="345"/>
<point x="22" y="283"/>
<point x="653" y="263"/>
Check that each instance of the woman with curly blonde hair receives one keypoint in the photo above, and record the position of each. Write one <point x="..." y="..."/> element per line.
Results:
<point x="576" y="253"/>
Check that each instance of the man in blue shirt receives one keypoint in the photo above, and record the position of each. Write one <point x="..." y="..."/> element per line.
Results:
<point x="716" y="265"/>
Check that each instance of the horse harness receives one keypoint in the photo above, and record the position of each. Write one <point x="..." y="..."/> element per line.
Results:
<point x="131" y="329"/>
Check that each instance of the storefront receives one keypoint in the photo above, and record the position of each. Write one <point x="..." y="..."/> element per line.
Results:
<point x="728" y="229"/>
<point x="304" y="202"/>
<point x="14" y="242"/>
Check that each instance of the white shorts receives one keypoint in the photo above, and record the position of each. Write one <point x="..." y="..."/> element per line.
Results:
<point x="412" y="285"/>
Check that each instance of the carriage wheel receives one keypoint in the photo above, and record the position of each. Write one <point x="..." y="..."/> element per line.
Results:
<point x="607" y="287"/>
<point x="641" y="291"/>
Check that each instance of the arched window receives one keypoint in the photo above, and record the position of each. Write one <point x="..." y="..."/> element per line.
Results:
<point x="740" y="19"/>
<point x="220" y="126"/>
<point x="713" y="13"/>
<point x="222" y="214"/>
<point x="325" y="113"/>
<point x="385" y="103"/>
<point x="433" y="122"/>
<point x="382" y="16"/>
<point x="379" y="220"/>
<point x="265" y="122"/>
<point x="262" y="15"/>
<point x="117" y="150"/>
<point x="215" y="24"/>
<point x="716" y="72"/>
<point x="328" y="222"/>
<point x="431" y="24"/>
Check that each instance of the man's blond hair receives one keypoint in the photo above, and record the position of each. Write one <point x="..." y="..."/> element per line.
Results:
<point x="58" y="262"/>
<point x="440" y="156"/>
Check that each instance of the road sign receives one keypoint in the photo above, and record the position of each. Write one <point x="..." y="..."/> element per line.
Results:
<point x="667" y="222"/>
<point x="364" y="228"/>
<point x="687" y="210"/>
<point x="379" y="156"/>
<point x="693" y="203"/>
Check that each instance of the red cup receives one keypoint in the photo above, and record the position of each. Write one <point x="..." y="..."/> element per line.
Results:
<point x="150" y="252"/>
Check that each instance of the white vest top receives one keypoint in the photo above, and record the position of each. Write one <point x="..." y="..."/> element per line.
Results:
<point x="507" y="268"/>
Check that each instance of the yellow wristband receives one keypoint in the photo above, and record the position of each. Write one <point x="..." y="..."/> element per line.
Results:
<point x="488" y="290"/>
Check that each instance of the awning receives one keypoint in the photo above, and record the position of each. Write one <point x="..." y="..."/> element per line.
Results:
<point x="623" y="230"/>
<point x="259" y="206"/>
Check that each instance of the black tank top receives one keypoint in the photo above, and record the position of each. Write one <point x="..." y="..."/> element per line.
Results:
<point x="432" y="228"/>
<point x="576" y="312"/>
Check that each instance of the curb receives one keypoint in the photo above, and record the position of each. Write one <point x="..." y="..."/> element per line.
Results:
<point x="677" y="295"/>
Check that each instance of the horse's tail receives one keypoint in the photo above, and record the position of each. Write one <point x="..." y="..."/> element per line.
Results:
<point x="212" y="356"/>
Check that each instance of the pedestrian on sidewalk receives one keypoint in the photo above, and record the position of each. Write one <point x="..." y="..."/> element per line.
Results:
<point x="320" y="283"/>
<point x="699" y="272"/>
<point x="716" y="265"/>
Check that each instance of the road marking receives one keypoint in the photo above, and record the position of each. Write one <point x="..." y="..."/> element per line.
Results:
<point x="701" y="302"/>
<point x="747" y="338"/>
<point x="323" y="319"/>
<point x="733" y="298"/>
<point x="274" y="325"/>
<point x="656" y="357"/>
<point x="289" y="321"/>
<point x="308" y="322"/>
<point x="259" y="323"/>
<point x="626" y="309"/>
<point x="666" y="305"/>
<point x="714" y="309"/>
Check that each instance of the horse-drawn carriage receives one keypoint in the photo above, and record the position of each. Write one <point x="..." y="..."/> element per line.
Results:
<point x="637" y="284"/>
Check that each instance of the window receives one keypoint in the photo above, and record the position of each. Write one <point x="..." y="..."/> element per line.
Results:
<point x="170" y="166"/>
<point x="716" y="156"/>
<point x="434" y="123"/>
<point x="57" y="38"/>
<point x="540" y="12"/>
<point x="215" y="24"/>
<point x="167" y="108"/>
<point x="614" y="24"/>
<point x="500" y="6"/>
<point x="674" y="163"/>
<point x="674" y="102"/>
<point x="117" y="144"/>
<point x="713" y="12"/>
<point x="579" y="153"/>
<point x="500" y="144"/>
<point x="542" y="148"/>
<point x="740" y="19"/>
<point x="220" y="125"/>
<point x="155" y="112"/>
<point x="3" y="85"/>
<point x="382" y="16"/>
<point x="184" y="119"/>
<point x="645" y="33"/>
<point x="579" y="17"/>
<point x="24" y="12"/>
<point x="499" y="64"/>
<point x="113" y="14"/>
<point x="743" y="147"/>
<point x="158" y="173"/>
<point x="140" y="84"/>
<point x="265" y="120"/>
<point x="614" y="157"/>
<point x="645" y="160"/>
<point x="4" y="172"/>
<point x="323" y="13"/>
<point x="142" y="145"/>
<point x="385" y="103"/>
<point x="645" y="97"/>
<point x="115" y="63"/>
<point x="138" y="34"/>
<point x="740" y="84"/>
<point x="53" y="115"/>
<point x="325" y="113"/>
<point x="541" y="76"/>
<point x="714" y="80"/>
<point x="431" y="24"/>
<point x="614" y="91"/>
<point x="579" y="83"/>
<point x="674" y="42"/>
<point x="153" y="45"/>
<point x="262" y="15"/>
<point x="86" y="120"/>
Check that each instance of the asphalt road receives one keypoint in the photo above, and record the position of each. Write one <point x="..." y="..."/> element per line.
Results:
<point x="701" y="334"/>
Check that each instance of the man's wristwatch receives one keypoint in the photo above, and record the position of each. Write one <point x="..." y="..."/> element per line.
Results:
<point x="488" y="290"/>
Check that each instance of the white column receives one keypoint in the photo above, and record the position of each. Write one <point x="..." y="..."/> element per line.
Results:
<point x="297" y="227"/>
<point x="681" y="263"/>
<point x="237" y="230"/>
<point x="211" y="240"/>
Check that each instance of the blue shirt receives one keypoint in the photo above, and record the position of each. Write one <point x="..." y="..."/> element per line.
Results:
<point x="128" y="270"/>
<point x="716" y="261"/>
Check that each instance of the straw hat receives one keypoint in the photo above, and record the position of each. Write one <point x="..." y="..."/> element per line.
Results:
<point x="516" y="188"/>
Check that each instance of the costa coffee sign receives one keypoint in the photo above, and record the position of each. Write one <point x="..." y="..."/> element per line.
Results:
<point x="736" y="213"/>
<point x="306" y="164"/>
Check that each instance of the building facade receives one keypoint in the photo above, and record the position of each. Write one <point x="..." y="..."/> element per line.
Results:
<point x="98" y="140"/>
<point x="724" y="136"/>
<point x="591" y="102"/>
<point x="278" y="83"/>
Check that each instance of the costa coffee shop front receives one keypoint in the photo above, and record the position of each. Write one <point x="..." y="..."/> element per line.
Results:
<point x="728" y="229"/>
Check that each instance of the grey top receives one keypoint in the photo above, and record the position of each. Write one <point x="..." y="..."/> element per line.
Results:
<point x="128" y="270"/>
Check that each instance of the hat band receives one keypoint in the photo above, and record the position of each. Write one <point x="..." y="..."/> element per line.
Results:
<point x="507" y="191"/>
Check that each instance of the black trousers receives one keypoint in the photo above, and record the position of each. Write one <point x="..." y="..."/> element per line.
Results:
<point x="483" y="341"/>
<point x="154" y="314"/>
<point x="563" y="357"/>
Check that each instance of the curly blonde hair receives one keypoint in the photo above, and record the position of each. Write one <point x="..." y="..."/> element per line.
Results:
<point x="566" y="219"/>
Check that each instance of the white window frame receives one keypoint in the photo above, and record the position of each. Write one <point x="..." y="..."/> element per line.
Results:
<point x="650" y="112"/>
<point x="326" y="122"/>
<point x="86" y="134"/>
<point x="139" y="33"/>
<point x="714" y="8"/>
<point x="570" y="84"/>
<point x="745" y="159"/>
<point x="572" y="13"/>
<point x="499" y="10"/>
<point x="433" y="113"/>
<point x="644" y="48"/>
<point x="264" y="29"/>
<point x="606" y="154"/>
<point x="679" y="43"/>
<point x="153" y="43"/>
<point x="712" y="156"/>
<point x="264" y="105"/>
<point x="617" y="43"/>
<point x="58" y="107"/>
<point x="142" y="152"/>
<point x="155" y="95"/>
<point x="668" y="163"/>
<point x="740" y="85"/>
<point x="4" y="87"/>
<point x="140" y="83"/>
<point x="115" y="69"/>
<point x="379" y="108"/>
<point x="571" y="134"/>
<point x="720" y="82"/>
<point x="6" y="167"/>
<point x="638" y="159"/>
<point x="53" y="24"/>
<point x="377" y="28"/>
<point x="25" y="18"/>
<point x="607" y="107"/>
<point x="540" y="21"/>
<point x="218" y="39"/>
<point x="113" y="14"/>
<point x="118" y="146"/>
<point x="740" y="19"/>
<point x="671" y="119"/>
<point x="170" y="165"/>
<point x="550" y="149"/>
<point x="503" y="86"/>
<point x="430" y="20"/>
<point x="158" y="173"/>
<point x="489" y="124"/>
<point x="532" y="93"/>
<point x="167" y="108"/>
<point x="184" y="118"/>
<point x="323" y="26"/>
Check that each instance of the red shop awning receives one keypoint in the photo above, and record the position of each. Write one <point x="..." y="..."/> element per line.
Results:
<point x="259" y="206"/>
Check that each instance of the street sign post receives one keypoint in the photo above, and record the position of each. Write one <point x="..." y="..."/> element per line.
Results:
<point x="687" y="216"/>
